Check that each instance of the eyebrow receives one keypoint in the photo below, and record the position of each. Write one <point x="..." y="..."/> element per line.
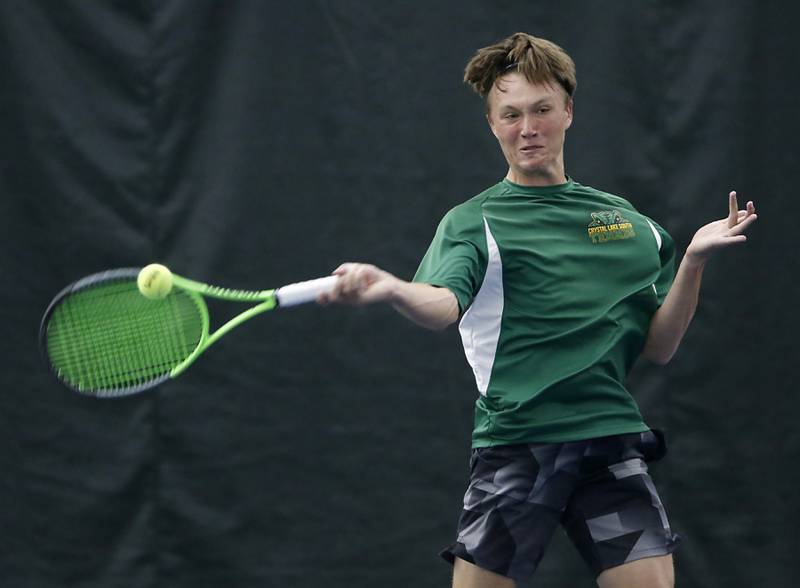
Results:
<point x="539" y="102"/>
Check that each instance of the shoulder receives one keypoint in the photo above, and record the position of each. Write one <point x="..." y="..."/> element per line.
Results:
<point x="603" y="197"/>
<point x="469" y="214"/>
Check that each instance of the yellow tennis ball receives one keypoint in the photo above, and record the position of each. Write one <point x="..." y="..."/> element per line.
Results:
<point x="154" y="281"/>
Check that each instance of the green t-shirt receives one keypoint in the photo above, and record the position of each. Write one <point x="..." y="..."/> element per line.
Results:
<point x="557" y="286"/>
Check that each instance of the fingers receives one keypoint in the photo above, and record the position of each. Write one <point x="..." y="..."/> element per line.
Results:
<point x="354" y="281"/>
<point x="335" y="295"/>
<point x="355" y="278"/>
<point x="739" y="220"/>
<point x="743" y="225"/>
<point x="343" y="269"/>
<point x="733" y="210"/>
<point x="743" y="214"/>
<point x="735" y="216"/>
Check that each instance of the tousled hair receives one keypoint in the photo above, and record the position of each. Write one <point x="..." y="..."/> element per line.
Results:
<point x="539" y="60"/>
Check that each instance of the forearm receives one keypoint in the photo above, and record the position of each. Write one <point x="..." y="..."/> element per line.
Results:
<point x="361" y="283"/>
<point x="428" y="306"/>
<point x="669" y="323"/>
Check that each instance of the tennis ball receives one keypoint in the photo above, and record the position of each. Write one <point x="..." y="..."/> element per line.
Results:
<point x="154" y="281"/>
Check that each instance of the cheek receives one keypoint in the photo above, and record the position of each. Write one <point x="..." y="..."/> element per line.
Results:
<point x="554" y="132"/>
<point x="509" y="139"/>
<point x="510" y="133"/>
<point x="550" y="127"/>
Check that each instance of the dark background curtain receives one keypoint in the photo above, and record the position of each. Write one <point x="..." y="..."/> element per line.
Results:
<point x="248" y="144"/>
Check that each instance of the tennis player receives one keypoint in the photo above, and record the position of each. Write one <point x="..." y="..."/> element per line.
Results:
<point x="559" y="288"/>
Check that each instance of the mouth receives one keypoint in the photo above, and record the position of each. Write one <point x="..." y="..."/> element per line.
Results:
<point x="531" y="148"/>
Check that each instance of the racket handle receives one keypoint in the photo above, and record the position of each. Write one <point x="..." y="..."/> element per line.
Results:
<point x="302" y="292"/>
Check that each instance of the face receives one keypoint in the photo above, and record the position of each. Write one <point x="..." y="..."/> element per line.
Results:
<point x="530" y="123"/>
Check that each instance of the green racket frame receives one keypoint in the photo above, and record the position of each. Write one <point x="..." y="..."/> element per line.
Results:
<point x="197" y="290"/>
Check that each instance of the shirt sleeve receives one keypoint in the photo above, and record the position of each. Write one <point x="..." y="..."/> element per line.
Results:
<point x="456" y="258"/>
<point x="666" y="254"/>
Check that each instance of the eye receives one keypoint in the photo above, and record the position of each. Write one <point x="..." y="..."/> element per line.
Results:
<point x="510" y="115"/>
<point x="544" y="110"/>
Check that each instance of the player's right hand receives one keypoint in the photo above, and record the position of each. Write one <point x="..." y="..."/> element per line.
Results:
<point x="360" y="283"/>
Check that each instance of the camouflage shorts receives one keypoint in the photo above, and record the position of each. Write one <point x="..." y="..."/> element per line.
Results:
<point x="598" y="490"/>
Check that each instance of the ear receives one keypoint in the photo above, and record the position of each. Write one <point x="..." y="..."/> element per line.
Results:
<point x="491" y="124"/>
<point x="568" y="110"/>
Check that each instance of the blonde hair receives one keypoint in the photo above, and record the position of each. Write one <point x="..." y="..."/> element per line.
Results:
<point x="539" y="60"/>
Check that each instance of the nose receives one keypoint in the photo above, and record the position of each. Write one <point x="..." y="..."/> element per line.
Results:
<point x="529" y="127"/>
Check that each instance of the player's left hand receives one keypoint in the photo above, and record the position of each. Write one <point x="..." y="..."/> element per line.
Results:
<point x="722" y="233"/>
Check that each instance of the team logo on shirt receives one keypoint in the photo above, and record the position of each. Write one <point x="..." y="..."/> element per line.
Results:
<point x="609" y="225"/>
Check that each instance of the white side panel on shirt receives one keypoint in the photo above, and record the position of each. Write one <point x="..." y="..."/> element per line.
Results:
<point x="480" y="325"/>
<point x="655" y="233"/>
<point x="658" y="242"/>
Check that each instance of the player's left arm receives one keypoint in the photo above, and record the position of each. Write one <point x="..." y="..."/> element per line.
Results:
<point x="670" y="321"/>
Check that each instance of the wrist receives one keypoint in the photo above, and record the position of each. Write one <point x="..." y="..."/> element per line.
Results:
<point x="693" y="261"/>
<point x="394" y="291"/>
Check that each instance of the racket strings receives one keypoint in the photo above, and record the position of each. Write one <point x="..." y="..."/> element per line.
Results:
<point x="109" y="337"/>
<point x="113" y="357"/>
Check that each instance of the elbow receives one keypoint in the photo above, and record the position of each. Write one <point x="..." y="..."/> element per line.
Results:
<point x="661" y="359"/>
<point x="658" y="356"/>
<point x="446" y="315"/>
<point x="443" y="326"/>
<point x="661" y="344"/>
<point x="441" y="323"/>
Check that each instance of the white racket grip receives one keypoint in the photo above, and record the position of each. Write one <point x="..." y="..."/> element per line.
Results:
<point x="302" y="292"/>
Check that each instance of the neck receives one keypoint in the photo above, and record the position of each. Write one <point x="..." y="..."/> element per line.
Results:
<point x="538" y="178"/>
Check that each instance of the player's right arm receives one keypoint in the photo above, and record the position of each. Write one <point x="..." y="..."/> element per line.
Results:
<point x="360" y="283"/>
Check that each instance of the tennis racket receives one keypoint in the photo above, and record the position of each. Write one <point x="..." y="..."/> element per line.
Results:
<point x="102" y="337"/>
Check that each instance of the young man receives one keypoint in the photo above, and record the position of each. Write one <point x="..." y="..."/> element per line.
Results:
<point x="559" y="288"/>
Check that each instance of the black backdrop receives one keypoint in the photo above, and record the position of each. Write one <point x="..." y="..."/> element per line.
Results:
<point x="253" y="143"/>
